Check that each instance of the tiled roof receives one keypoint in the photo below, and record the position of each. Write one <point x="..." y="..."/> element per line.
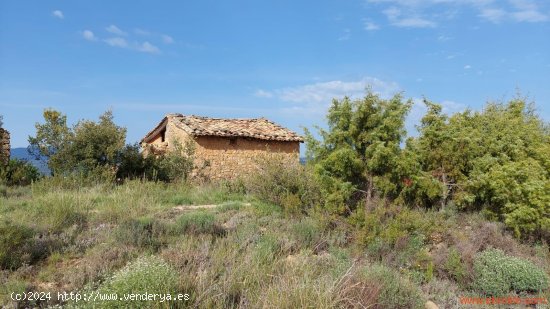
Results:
<point x="259" y="128"/>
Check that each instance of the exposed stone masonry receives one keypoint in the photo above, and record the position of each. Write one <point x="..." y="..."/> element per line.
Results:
<point x="224" y="148"/>
<point x="4" y="146"/>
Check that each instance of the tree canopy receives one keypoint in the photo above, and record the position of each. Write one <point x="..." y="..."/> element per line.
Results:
<point x="496" y="160"/>
<point x="83" y="148"/>
<point x="360" y="153"/>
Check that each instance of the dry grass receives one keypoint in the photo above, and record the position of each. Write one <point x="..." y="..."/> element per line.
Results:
<point x="244" y="253"/>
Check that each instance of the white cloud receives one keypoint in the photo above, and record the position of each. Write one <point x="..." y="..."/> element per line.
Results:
<point x="420" y="13"/>
<point x="117" y="42"/>
<point x="397" y="18"/>
<point x="443" y="38"/>
<point x="313" y="100"/>
<point x="147" y="47"/>
<point x="493" y="15"/>
<point x="115" y="30"/>
<point x="467" y="67"/>
<point x="141" y="31"/>
<point x="58" y="14"/>
<point x="414" y="22"/>
<point x="524" y="5"/>
<point x="531" y="16"/>
<point x="263" y="94"/>
<point x="167" y="39"/>
<point x="89" y="35"/>
<point x="324" y="92"/>
<point x="370" y="26"/>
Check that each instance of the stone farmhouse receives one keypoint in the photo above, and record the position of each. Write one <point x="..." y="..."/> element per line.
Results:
<point x="224" y="148"/>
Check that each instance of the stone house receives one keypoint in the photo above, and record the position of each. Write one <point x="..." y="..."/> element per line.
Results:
<point x="4" y="146"/>
<point x="224" y="148"/>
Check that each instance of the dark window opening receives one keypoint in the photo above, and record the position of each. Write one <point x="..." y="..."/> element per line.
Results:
<point x="163" y="135"/>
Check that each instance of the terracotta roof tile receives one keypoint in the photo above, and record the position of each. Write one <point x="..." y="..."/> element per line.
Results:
<point x="259" y="128"/>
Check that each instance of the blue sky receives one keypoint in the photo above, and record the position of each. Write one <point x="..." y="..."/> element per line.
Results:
<point x="281" y="59"/>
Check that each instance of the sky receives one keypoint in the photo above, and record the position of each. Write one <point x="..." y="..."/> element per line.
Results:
<point x="284" y="60"/>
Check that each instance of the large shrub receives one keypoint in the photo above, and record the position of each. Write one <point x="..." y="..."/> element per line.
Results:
<point x="497" y="274"/>
<point x="495" y="160"/>
<point x="286" y="183"/>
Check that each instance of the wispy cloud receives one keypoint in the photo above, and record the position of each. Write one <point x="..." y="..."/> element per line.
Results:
<point x="493" y="15"/>
<point x="144" y="47"/>
<point x="58" y="14"/>
<point x="139" y="31"/>
<point x="370" y="25"/>
<point x="260" y="93"/>
<point x="89" y="35"/>
<point x="397" y="18"/>
<point x="531" y="16"/>
<point x="147" y="47"/>
<point x="117" y="42"/>
<point x="115" y="30"/>
<point x="467" y="67"/>
<point x="324" y="92"/>
<point x="126" y="42"/>
<point x="426" y="13"/>
<point x="167" y="39"/>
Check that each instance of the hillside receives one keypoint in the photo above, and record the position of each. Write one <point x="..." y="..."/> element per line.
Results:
<point x="238" y="251"/>
<point x="21" y="153"/>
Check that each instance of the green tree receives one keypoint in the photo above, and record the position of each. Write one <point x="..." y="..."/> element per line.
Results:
<point x="87" y="147"/>
<point x="496" y="160"/>
<point x="93" y="145"/>
<point x="51" y="137"/>
<point x="361" y="150"/>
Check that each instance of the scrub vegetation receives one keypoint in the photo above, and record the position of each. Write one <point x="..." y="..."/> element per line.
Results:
<point x="374" y="219"/>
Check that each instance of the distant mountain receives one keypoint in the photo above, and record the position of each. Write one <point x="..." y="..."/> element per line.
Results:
<point x="22" y="154"/>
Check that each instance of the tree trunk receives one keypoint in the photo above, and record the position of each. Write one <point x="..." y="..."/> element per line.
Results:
<point x="370" y="189"/>
<point x="443" y="201"/>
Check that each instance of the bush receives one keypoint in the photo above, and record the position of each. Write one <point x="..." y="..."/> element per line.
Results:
<point x="142" y="233"/>
<point x="454" y="266"/>
<point x="285" y="183"/>
<point x="395" y="291"/>
<point x="175" y="165"/>
<point x="149" y="274"/>
<point x="199" y="222"/>
<point x="497" y="274"/>
<point x="16" y="246"/>
<point x="19" y="173"/>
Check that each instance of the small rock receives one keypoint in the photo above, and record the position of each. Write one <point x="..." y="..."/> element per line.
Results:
<point x="430" y="305"/>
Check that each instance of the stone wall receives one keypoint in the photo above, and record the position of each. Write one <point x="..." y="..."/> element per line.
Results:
<point x="4" y="146"/>
<point x="223" y="157"/>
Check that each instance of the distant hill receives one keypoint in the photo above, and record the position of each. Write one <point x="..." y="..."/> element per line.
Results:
<point x="22" y="154"/>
